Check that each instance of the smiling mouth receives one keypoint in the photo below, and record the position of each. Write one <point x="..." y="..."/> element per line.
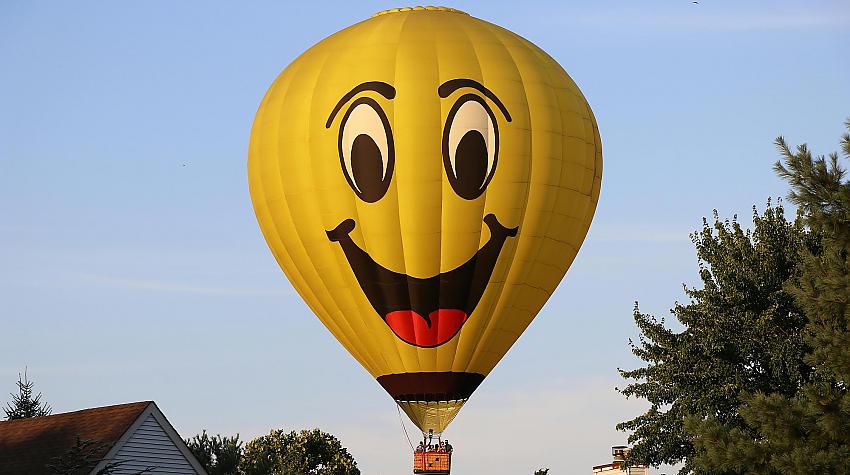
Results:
<point x="424" y="312"/>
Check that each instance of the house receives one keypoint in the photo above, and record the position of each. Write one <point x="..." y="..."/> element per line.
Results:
<point x="617" y="467"/>
<point x="135" y="436"/>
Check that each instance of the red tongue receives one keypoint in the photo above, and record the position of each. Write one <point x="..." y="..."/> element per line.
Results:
<point x="412" y="328"/>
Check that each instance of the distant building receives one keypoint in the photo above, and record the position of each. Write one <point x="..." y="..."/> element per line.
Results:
<point x="616" y="467"/>
<point x="136" y="436"/>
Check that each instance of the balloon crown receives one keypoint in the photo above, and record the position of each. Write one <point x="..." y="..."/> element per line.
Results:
<point x="420" y="8"/>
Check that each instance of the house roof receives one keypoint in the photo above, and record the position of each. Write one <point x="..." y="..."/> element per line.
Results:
<point x="43" y="438"/>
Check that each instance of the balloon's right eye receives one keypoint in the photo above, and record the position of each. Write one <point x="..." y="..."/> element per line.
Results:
<point x="470" y="146"/>
<point x="366" y="151"/>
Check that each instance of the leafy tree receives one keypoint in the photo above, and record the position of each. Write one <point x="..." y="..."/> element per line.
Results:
<point x="24" y="405"/>
<point x="807" y="432"/>
<point x="741" y="332"/>
<point x="218" y="455"/>
<point x="297" y="453"/>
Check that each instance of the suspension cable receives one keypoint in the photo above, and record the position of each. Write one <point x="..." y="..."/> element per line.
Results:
<point x="404" y="427"/>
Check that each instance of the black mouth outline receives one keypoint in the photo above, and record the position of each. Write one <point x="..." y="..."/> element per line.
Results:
<point x="458" y="289"/>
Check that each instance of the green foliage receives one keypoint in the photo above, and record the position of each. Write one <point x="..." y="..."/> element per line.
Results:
<point x="24" y="405"/>
<point x="742" y="332"/>
<point x="297" y="453"/>
<point x="807" y="432"/>
<point x="279" y="453"/>
<point x="542" y="471"/>
<point x="819" y="190"/>
<point x="218" y="455"/>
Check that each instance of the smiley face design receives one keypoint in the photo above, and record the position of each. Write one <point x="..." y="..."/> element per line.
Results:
<point x="425" y="179"/>
<point x="424" y="312"/>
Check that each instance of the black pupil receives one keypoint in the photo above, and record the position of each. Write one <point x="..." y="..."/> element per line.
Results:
<point x="367" y="167"/>
<point x="471" y="164"/>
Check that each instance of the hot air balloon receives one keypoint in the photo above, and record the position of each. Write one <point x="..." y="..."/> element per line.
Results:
<point x="425" y="179"/>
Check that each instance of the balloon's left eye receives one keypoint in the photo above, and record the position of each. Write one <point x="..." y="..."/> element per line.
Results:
<point x="470" y="146"/>
<point x="366" y="149"/>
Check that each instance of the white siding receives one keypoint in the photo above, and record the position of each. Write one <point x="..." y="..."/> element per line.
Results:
<point x="150" y="446"/>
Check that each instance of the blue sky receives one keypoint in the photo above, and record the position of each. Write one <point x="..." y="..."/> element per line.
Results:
<point x="125" y="275"/>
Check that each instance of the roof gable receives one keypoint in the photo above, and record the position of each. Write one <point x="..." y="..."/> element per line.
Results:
<point x="152" y="442"/>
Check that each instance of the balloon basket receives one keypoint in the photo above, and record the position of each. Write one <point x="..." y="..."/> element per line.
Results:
<point x="432" y="458"/>
<point x="432" y="463"/>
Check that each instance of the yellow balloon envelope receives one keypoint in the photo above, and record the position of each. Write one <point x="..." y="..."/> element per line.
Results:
<point x="424" y="179"/>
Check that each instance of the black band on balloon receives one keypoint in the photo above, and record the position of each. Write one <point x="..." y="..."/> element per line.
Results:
<point x="431" y="387"/>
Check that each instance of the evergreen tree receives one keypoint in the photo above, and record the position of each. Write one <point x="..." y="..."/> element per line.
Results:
<point x="742" y="332"/>
<point x="218" y="455"/>
<point x="807" y="432"/>
<point x="24" y="405"/>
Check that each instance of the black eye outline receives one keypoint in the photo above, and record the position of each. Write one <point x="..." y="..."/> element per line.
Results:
<point x="369" y="196"/>
<point x="447" y="164"/>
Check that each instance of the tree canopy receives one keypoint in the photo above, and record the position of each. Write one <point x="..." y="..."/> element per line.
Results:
<point x="741" y="331"/>
<point x="756" y="381"/>
<point x="807" y="432"/>
<point x="309" y="452"/>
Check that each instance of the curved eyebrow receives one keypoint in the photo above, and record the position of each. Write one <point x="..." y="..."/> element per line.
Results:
<point x="453" y="85"/>
<point x="381" y="88"/>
